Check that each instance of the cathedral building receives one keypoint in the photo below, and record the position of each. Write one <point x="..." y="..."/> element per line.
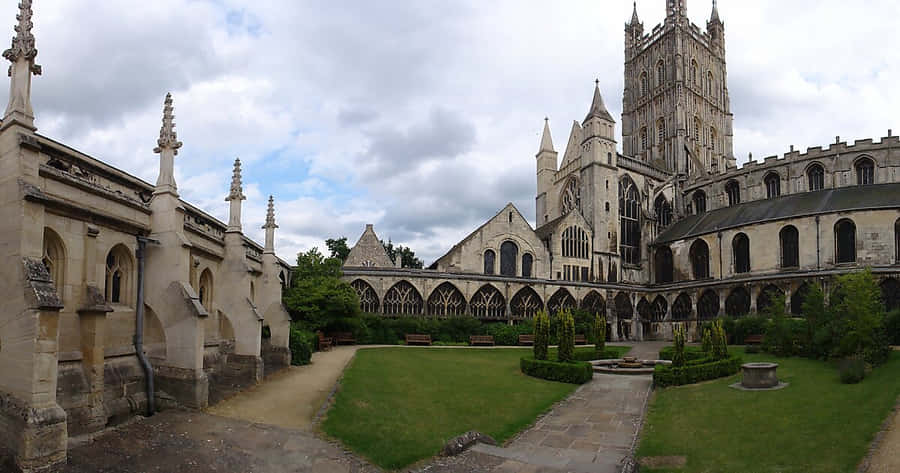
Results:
<point x="670" y="231"/>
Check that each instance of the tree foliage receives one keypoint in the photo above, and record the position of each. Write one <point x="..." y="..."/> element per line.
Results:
<point x="566" y="350"/>
<point x="600" y="334"/>
<point x="317" y="296"/>
<point x="541" y="335"/>
<point x="407" y="256"/>
<point x="338" y="248"/>
<point x="680" y="338"/>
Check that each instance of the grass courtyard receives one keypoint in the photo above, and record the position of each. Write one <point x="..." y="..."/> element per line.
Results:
<point x="397" y="406"/>
<point x="815" y="424"/>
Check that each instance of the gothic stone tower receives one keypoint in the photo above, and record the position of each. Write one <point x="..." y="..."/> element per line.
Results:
<point x="676" y="111"/>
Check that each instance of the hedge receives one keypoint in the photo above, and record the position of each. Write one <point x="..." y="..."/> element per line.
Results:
<point x="591" y="354"/>
<point x="302" y="344"/>
<point x="668" y="375"/>
<point x="576" y="372"/>
<point x="690" y="353"/>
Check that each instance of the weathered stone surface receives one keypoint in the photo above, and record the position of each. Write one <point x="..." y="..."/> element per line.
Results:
<point x="464" y="441"/>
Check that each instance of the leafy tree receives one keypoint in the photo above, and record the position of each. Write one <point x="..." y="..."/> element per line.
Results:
<point x="338" y="248"/>
<point x="314" y="264"/>
<point x="857" y="302"/>
<point x="317" y="296"/>
<point x="779" y="338"/>
<point x="407" y="256"/>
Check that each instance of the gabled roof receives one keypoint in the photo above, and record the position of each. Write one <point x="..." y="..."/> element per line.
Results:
<point x="550" y="227"/>
<point x="509" y="206"/>
<point x="369" y="252"/>
<point x="573" y="148"/>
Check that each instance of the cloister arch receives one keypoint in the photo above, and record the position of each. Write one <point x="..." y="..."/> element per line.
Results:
<point x="487" y="303"/>
<point x="560" y="300"/>
<point x="525" y="303"/>
<point x="402" y="299"/>
<point x="624" y="308"/>
<point x="446" y="301"/>
<point x="54" y="258"/>
<point x="368" y="299"/>
<point x="737" y="303"/>
<point x="594" y="303"/>
<point x="660" y="307"/>
<point x="645" y="310"/>
<point x="797" y="298"/>
<point x="767" y="296"/>
<point x="708" y="305"/>
<point x="682" y="308"/>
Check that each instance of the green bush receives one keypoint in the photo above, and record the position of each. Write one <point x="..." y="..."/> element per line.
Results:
<point x="566" y="337"/>
<point x="503" y="333"/>
<point x="600" y="334"/>
<point x="671" y="375"/>
<point x="541" y="335"/>
<point x="678" y="358"/>
<point x="752" y="349"/>
<point x="575" y="372"/>
<point x="707" y="342"/>
<point x="690" y="353"/>
<point x="719" y="341"/>
<point x="852" y="370"/>
<point x="738" y="329"/>
<point x="892" y="327"/>
<point x="302" y="345"/>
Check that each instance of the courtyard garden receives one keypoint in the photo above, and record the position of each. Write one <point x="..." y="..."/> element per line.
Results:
<point x="397" y="406"/>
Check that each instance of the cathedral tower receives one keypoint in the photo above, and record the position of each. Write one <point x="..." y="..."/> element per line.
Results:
<point x="676" y="110"/>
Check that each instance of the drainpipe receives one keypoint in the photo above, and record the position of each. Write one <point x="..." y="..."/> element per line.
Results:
<point x="720" y="256"/>
<point x="139" y="325"/>
<point x="818" y="262"/>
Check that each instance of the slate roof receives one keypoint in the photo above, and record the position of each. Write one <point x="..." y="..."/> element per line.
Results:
<point x="877" y="196"/>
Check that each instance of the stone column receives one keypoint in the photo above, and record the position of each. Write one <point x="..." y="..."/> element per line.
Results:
<point x="92" y="320"/>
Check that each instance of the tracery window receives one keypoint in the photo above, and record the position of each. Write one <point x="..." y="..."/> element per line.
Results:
<point x="571" y="198"/>
<point x="790" y="246"/>
<point x="740" y="246"/>
<point x="560" y="300"/>
<point x="489" y="257"/>
<point x="682" y="308"/>
<point x="526" y="303"/>
<point x="624" y="308"/>
<point x="509" y="255"/>
<point x="644" y="85"/>
<point x="368" y="299"/>
<point x="54" y="259"/>
<point x="712" y="138"/>
<point x="845" y="241"/>
<point x="594" y="303"/>
<point x="733" y="189"/>
<point x="446" y="301"/>
<point x="773" y="185"/>
<point x="575" y="243"/>
<point x="629" y="217"/>
<point x="660" y="73"/>
<point x="644" y="138"/>
<point x="402" y="299"/>
<point x="709" y="83"/>
<point x="865" y="172"/>
<point x="644" y="310"/>
<point x="660" y="307"/>
<point x="663" y="212"/>
<point x="699" y="255"/>
<point x="527" y="263"/>
<point x="708" y="305"/>
<point x="699" y="202"/>
<point x="738" y="302"/>
<point x="697" y="129"/>
<point x="488" y="303"/>
<point x="665" y="265"/>
<point x="118" y="275"/>
<point x="694" y="73"/>
<point x="815" y="176"/>
<point x="660" y="131"/>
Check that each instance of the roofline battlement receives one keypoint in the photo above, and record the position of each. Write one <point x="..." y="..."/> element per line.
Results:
<point x="817" y="152"/>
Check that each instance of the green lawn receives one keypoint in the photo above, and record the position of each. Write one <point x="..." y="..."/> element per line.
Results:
<point x="816" y="424"/>
<point x="397" y="406"/>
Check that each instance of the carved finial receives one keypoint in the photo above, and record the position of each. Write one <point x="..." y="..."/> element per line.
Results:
<point x="168" y="138"/>
<point x="23" y="41"/>
<point x="634" y="16"/>
<point x="270" y="214"/>
<point x="237" y="190"/>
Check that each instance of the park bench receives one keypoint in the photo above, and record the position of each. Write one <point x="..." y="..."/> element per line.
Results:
<point x="418" y="339"/>
<point x="481" y="340"/>
<point x="580" y="340"/>
<point x="343" y="337"/>
<point x="753" y="339"/>
<point x="324" y="342"/>
<point x="526" y="339"/>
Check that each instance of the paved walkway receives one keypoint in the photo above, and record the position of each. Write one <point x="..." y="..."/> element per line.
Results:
<point x="885" y="458"/>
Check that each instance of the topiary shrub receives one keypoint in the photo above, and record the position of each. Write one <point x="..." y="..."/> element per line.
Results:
<point x="707" y="342"/>
<point x="541" y="335"/>
<point x="719" y="341"/>
<point x="690" y="353"/>
<point x="566" y="350"/>
<point x="678" y="353"/>
<point x="600" y="333"/>
<point x="576" y="372"/>
<point x="700" y="370"/>
<point x="302" y="345"/>
<point x="852" y="370"/>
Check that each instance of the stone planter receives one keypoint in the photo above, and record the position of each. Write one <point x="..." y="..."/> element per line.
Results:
<point x="759" y="375"/>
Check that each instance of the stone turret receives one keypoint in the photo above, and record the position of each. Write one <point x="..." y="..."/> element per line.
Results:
<point x="22" y="55"/>
<point x="716" y="30"/>
<point x="546" y="170"/>
<point x="270" y="227"/>
<point x="167" y="148"/>
<point x="599" y="131"/>
<point x="634" y="31"/>
<point x="235" y="196"/>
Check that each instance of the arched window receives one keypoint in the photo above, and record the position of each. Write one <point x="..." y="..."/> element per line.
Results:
<point x="699" y="202"/>
<point x="766" y="297"/>
<point x="865" y="172"/>
<point x="845" y="241"/>
<point x="660" y="73"/>
<point x="697" y="126"/>
<point x="644" y="84"/>
<point x="708" y="305"/>
<point x="527" y="262"/>
<point x="488" y="303"/>
<point x="740" y="247"/>
<point x="624" y="308"/>
<point x="54" y="259"/>
<point x="738" y="302"/>
<point x="797" y="298"/>
<point x="773" y="185"/>
<point x="525" y="303"/>
<point x="560" y="300"/>
<point x="594" y="303"/>
<point x="790" y="246"/>
<point x="733" y="189"/>
<point x="660" y="131"/>
<point x="709" y="83"/>
<point x="446" y="301"/>
<point x="699" y="255"/>
<point x="402" y="299"/>
<point x="509" y="256"/>
<point x="663" y="212"/>
<point x="712" y="138"/>
<point x="665" y="265"/>
<point x="682" y="308"/>
<point x="815" y="176"/>
<point x="205" y="289"/>
<point x="575" y="243"/>
<point x="694" y="79"/>
<point x="571" y="198"/>
<point x="489" y="257"/>
<point x="644" y="138"/>
<point x="660" y="307"/>
<point x="118" y="287"/>
<point x="368" y="299"/>
<point x="629" y="217"/>
<point x="645" y="310"/>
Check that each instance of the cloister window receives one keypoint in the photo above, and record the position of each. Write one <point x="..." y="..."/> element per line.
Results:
<point x="644" y="138"/>
<point x="489" y="257"/>
<point x="696" y="129"/>
<point x="733" y="189"/>
<point x="402" y="299"/>
<point x="773" y="185"/>
<point x="54" y="259"/>
<point x="663" y="212"/>
<point x="368" y="299"/>
<point x="118" y="275"/>
<point x="629" y="217"/>
<point x="509" y="255"/>
<point x="699" y="202"/>
<point x="488" y="303"/>
<point x="660" y="131"/>
<point x="644" y="84"/>
<point x="575" y="243"/>
<point x="699" y="255"/>
<point x="665" y="266"/>
<point x="571" y="198"/>
<point x="682" y="308"/>
<point x="527" y="262"/>
<point x="815" y="176"/>
<point x="738" y="302"/>
<point x="740" y="246"/>
<point x="708" y="305"/>
<point x="865" y="172"/>
<point x="790" y="247"/>
<point x="660" y="73"/>
<point x="446" y="301"/>
<point x="845" y="241"/>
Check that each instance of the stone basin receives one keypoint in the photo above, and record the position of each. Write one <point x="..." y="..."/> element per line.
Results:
<point x="627" y="365"/>
<point x="759" y="375"/>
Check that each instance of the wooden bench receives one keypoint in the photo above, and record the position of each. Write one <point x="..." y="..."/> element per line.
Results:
<point x="418" y="339"/>
<point x="753" y="339"/>
<point x="324" y="342"/>
<point x="481" y="340"/>
<point x="526" y="339"/>
<point x="343" y="337"/>
<point x="580" y="340"/>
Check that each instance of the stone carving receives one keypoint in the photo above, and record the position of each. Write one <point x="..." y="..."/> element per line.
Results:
<point x="168" y="137"/>
<point x="23" y="46"/>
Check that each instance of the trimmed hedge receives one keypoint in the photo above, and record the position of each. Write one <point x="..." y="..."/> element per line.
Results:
<point x="590" y="355"/>
<point x="690" y="353"/>
<point x="576" y="372"/>
<point x="302" y="344"/>
<point x="667" y="375"/>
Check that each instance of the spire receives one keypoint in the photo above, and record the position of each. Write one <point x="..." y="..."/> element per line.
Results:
<point x="235" y="197"/>
<point x="598" y="109"/>
<point x="546" y="140"/>
<point x="715" y="12"/>
<point x="167" y="147"/>
<point x="270" y="227"/>
<point x="21" y="54"/>
<point x="634" y="16"/>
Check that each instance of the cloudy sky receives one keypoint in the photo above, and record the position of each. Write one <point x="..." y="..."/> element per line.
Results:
<point x="420" y="116"/>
